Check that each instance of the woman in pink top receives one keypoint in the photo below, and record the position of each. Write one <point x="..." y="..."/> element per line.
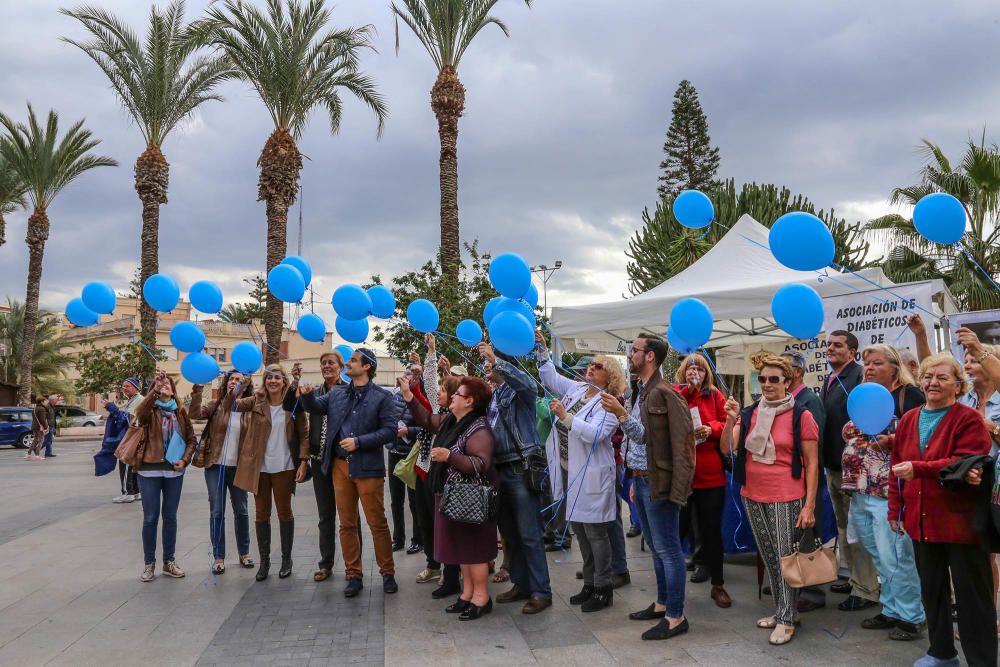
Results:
<point x="778" y="464"/>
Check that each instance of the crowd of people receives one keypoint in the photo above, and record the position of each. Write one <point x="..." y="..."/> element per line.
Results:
<point x="504" y="464"/>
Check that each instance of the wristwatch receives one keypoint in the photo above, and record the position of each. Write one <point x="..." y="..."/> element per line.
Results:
<point x="995" y="430"/>
<point x="982" y="357"/>
<point x="623" y="418"/>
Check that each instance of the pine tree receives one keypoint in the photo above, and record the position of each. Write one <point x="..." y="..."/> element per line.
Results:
<point x="691" y="160"/>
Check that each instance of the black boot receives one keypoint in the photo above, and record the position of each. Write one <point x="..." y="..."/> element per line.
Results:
<point x="582" y="596"/>
<point x="604" y="596"/>
<point x="264" y="546"/>
<point x="287" y="529"/>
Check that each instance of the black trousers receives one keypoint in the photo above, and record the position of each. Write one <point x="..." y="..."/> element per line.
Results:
<point x="327" y="510"/>
<point x="398" y="494"/>
<point x="703" y="516"/>
<point x="127" y="477"/>
<point x="423" y="505"/>
<point x="972" y="577"/>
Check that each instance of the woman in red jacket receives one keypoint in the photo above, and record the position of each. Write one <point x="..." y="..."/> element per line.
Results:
<point x="708" y="497"/>
<point x="940" y="520"/>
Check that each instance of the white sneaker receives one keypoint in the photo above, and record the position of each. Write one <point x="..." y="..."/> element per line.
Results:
<point x="130" y="499"/>
<point x="137" y="496"/>
<point x="121" y="499"/>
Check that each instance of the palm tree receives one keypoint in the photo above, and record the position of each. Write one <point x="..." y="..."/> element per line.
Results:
<point x="48" y="364"/>
<point x="160" y="81"/>
<point x="446" y="28"/>
<point x="241" y="313"/>
<point x="976" y="183"/>
<point x="46" y="164"/>
<point x="11" y="196"/>
<point x="295" y="65"/>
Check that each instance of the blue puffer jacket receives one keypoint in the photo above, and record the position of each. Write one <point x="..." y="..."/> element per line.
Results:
<point x="376" y="413"/>
<point x="515" y="437"/>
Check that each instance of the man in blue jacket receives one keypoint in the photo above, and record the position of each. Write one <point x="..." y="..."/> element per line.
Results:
<point x="512" y="419"/>
<point x="360" y="421"/>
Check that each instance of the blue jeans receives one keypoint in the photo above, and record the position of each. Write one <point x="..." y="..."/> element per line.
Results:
<point x="661" y="526"/>
<point x="219" y="479"/>
<point x="518" y="523"/>
<point x="892" y="555"/>
<point x="48" y="441"/>
<point x="616" y="532"/>
<point x="633" y="515"/>
<point x="152" y="488"/>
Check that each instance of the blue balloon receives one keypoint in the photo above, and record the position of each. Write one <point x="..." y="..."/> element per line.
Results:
<point x="206" y="296"/>
<point x="798" y="310"/>
<point x="312" y="327"/>
<point x="510" y="275"/>
<point x="352" y="302"/>
<point x="99" y="297"/>
<point x="187" y="337"/>
<point x="353" y="331"/>
<point x="469" y="333"/>
<point x="940" y="218"/>
<point x="517" y="306"/>
<point x="691" y="321"/>
<point x="423" y="316"/>
<point x="345" y="351"/>
<point x="694" y="209"/>
<point x="246" y="357"/>
<point x="679" y="344"/>
<point x="199" y="368"/>
<point x="303" y="267"/>
<point x="870" y="407"/>
<point x="383" y="302"/>
<point x="531" y="296"/>
<point x="512" y="333"/>
<point x="286" y="283"/>
<point x="801" y="241"/>
<point x="78" y="313"/>
<point x="490" y="310"/>
<point x="161" y="292"/>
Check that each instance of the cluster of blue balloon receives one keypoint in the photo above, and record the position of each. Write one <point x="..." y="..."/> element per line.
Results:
<point x="353" y="304"/>
<point x="509" y="318"/>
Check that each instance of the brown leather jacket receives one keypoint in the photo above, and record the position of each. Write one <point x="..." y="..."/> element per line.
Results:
<point x="214" y="436"/>
<point x="150" y="417"/>
<point x="254" y="444"/>
<point x="670" y="449"/>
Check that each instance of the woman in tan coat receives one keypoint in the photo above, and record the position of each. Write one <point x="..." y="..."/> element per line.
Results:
<point x="167" y="448"/>
<point x="274" y="456"/>
<point x="221" y="442"/>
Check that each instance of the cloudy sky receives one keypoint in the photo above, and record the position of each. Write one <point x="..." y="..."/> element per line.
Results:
<point x="558" y="149"/>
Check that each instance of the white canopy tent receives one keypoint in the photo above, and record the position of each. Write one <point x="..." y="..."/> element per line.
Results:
<point x="736" y="279"/>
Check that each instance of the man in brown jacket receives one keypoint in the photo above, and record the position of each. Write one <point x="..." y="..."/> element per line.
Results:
<point x="660" y="453"/>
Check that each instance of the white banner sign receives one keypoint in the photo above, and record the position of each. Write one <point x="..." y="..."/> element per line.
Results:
<point x="876" y="316"/>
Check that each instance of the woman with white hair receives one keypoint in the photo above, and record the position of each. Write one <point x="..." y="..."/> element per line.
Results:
<point x="583" y="429"/>
<point x="940" y="520"/>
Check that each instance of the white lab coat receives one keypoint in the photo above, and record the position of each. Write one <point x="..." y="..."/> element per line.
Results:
<point x="591" y="474"/>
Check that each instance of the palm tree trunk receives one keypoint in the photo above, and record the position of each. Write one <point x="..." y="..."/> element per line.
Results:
<point x="38" y="233"/>
<point x="152" y="177"/>
<point x="3" y="229"/>
<point x="448" y="103"/>
<point x="280" y="164"/>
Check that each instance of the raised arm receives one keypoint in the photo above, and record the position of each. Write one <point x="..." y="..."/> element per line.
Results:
<point x="232" y="404"/>
<point x="551" y="378"/>
<point x="145" y="409"/>
<point x="198" y="409"/>
<point x="430" y="377"/>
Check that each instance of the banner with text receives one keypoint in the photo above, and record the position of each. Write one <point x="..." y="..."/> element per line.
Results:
<point x="876" y="316"/>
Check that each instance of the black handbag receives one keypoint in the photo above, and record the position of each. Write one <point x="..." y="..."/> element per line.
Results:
<point x="472" y="501"/>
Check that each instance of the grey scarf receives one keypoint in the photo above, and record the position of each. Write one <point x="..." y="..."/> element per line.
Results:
<point x="759" y="443"/>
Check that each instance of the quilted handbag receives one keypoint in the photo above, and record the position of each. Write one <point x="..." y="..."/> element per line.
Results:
<point x="469" y="501"/>
<point x="809" y="568"/>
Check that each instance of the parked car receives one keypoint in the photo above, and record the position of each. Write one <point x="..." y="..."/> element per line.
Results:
<point x="77" y="416"/>
<point x="15" y="427"/>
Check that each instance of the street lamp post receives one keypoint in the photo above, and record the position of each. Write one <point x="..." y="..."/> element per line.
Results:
<point x="546" y="273"/>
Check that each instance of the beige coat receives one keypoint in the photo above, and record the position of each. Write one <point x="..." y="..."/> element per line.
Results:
<point x="214" y="437"/>
<point x="254" y="443"/>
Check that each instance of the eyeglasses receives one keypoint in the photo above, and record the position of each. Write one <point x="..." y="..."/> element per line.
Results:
<point x="771" y="379"/>
<point x="458" y="393"/>
<point x="638" y="349"/>
<point x="596" y="365"/>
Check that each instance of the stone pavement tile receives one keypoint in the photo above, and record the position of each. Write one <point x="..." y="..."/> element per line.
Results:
<point x="625" y="646"/>
<point x="572" y="656"/>
<point x="555" y="627"/>
<point x="491" y="640"/>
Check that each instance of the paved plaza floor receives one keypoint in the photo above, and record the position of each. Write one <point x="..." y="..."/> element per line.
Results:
<point x="70" y="595"/>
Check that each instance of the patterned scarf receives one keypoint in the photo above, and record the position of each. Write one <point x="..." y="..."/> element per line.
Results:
<point x="168" y="416"/>
<point x="426" y="439"/>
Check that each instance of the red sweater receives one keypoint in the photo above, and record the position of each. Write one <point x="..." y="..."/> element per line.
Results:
<point x="708" y="470"/>
<point x="932" y="513"/>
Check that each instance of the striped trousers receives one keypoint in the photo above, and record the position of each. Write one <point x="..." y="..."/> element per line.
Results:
<point x="773" y="526"/>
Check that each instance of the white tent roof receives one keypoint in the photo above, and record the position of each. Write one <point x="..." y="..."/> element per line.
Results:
<point x="736" y="279"/>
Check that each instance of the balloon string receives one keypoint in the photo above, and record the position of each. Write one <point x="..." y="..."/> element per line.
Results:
<point x="972" y="259"/>
<point x="715" y="370"/>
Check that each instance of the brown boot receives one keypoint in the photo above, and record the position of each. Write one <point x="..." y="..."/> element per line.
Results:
<point x="721" y="597"/>
<point x="535" y="604"/>
<point x="513" y="595"/>
<point x="619" y="580"/>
